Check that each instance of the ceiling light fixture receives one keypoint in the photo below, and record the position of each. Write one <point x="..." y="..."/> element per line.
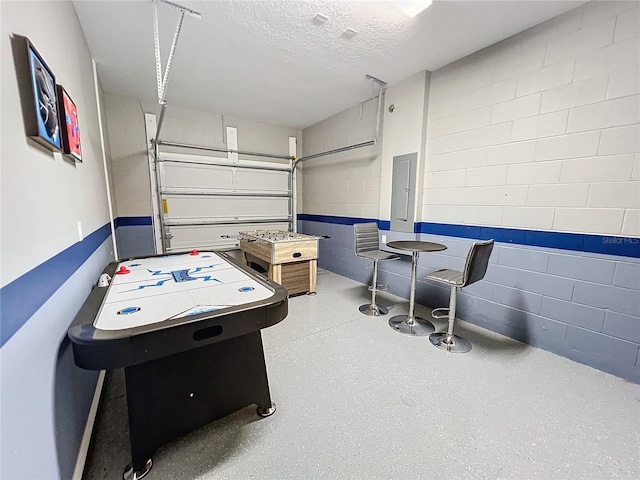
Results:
<point x="411" y="7"/>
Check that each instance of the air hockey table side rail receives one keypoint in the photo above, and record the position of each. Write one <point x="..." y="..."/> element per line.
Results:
<point x="96" y="349"/>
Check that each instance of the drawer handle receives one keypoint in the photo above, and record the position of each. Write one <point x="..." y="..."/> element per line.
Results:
<point x="297" y="254"/>
<point x="208" y="332"/>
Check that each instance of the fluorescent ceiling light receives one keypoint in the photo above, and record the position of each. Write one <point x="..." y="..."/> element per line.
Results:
<point x="411" y="7"/>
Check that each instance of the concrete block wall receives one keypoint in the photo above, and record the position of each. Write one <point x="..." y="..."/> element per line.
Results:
<point x="534" y="142"/>
<point x="347" y="183"/>
<point x="129" y="176"/>
<point x="404" y="133"/>
<point x="130" y="164"/>
<point x="541" y="130"/>
<point x="129" y="160"/>
<point x="582" y="306"/>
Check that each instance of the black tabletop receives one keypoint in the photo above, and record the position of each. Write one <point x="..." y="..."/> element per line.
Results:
<point x="416" y="246"/>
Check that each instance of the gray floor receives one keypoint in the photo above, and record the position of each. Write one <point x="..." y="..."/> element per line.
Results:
<point x="358" y="400"/>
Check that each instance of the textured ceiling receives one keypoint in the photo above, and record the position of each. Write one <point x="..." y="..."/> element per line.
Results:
<point x="271" y="61"/>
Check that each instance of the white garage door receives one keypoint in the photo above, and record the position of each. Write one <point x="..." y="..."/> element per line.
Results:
<point x="206" y="201"/>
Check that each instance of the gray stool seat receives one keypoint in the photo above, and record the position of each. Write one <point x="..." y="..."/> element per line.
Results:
<point x="367" y="245"/>
<point x="378" y="255"/>
<point x="475" y="269"/>
<point x="451" y="277"/>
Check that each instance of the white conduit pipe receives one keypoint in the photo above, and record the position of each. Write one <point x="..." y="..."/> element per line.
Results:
<point x="104" y="159"/>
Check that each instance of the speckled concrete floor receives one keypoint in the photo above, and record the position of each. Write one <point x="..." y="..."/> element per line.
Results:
<point x="358" y="400"/>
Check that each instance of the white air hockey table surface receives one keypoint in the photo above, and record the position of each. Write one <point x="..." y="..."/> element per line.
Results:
<point x="156" y="289"/>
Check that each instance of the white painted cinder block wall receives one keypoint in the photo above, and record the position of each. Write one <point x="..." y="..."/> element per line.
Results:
<point x="132" y="190"/>
<point x="131" y="185"/>
<point x="347" y="183"/>
<point x="537" y="133"/>
<point x="209" y="129"/>
<point x="404" y="133"/>
<point x="541" y="131"/>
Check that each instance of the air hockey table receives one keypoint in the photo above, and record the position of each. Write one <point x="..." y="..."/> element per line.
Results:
<point x="186" y="329"/>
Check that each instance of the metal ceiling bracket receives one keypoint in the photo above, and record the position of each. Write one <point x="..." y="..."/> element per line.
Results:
<point x="382" y="86"/>
<point x="182" y="9"/>
<point x="163" y="79"/>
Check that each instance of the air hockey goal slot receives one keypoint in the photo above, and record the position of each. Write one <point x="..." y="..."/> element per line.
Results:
<point x="208" y="332"/>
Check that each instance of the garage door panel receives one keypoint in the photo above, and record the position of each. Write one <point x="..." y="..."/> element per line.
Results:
<point x="262" y="180"/>
<point x="182" y="175"/>
<point x="204" y="199"/>
<point x="211" y="236"/>
<point x="188" y="206"/>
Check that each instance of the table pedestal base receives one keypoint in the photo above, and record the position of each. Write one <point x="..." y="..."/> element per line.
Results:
<point x="420" y="325"/>
<point x="373" y="310"/>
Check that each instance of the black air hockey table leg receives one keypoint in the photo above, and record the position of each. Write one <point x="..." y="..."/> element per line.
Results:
<point x="131" y="474"/>
<point x="171" y="396"/>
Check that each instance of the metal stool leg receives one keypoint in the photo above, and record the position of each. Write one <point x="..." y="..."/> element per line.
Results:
<point x="372" y="309"/>
<point x="448" y="341"/>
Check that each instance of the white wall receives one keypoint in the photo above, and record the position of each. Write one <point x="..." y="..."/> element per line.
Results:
<point x="404" y="132"/>
<point x="347" y="183"/>
<point x="42" y="199"/>
<point x="541" y="131"/>
<point x="538" y="132"/>
<point x="130" y="163"/>
<point x="37" y="226"/>
<point x="129" y="160"/>
<point x="209" y="129"/>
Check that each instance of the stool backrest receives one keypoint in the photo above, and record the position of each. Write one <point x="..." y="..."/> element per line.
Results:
<point x="477" y="262"/>
<point x="366" y="236"/>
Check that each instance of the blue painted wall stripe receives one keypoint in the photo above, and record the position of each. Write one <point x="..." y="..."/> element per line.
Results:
<point x="382" y="224"/>
<point x="20" y="299"/>
<point x="132" y="221"/>
<point x="580" y="242"/>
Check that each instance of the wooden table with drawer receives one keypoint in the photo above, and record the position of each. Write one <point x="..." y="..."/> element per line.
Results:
<point x="291" y="259"/>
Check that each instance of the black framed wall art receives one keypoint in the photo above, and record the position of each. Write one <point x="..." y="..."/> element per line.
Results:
<point x="39" y="100"/>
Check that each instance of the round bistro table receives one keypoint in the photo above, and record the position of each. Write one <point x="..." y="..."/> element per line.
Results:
<point x="410" y="324"/>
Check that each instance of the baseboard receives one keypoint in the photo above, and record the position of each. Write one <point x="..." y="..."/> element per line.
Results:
<point x="88" y="430"/>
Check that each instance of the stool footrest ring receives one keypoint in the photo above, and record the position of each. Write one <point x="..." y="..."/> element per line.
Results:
<point x="440" y="313"/>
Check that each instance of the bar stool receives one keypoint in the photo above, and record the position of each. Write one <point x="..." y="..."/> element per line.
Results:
<point x="474" y="270"/>
<point x="367" y="245"/>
